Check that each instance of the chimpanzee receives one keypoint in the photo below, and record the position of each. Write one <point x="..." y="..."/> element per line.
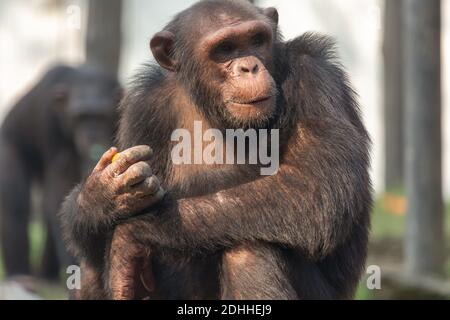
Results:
<point x="53" y="135"/>
<point x="145" y="227"/>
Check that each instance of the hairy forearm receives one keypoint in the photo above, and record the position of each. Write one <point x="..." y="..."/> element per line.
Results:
<point x="85" y="231"/>
<point x="317" y="215"/>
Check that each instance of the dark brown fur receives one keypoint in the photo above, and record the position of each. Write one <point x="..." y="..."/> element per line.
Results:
<point x="225" y="231"/>
<point x="38" y="143"/>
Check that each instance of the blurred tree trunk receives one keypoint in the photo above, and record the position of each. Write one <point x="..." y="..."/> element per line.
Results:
<point x="424" y="238"/>
<point x="104" y="34"/>
<point x="393" y="94"/>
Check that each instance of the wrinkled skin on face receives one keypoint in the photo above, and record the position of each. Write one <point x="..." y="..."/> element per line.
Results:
<point x="240" y="59"/>
<point x="235" y="56"/>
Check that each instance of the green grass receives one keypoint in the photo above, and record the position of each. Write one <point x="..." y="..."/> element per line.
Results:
<point x="387" y="225"/>
<point x="37" y="239"/>
<point x="51" y="292"/>
<point x="363" y="293"/>
<point x="2" y="270"/>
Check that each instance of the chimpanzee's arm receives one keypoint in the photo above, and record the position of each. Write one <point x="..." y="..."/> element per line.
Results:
<point x="85" y="242"/>
<point x="113" y="191"/>
<point x="320" y="193"/>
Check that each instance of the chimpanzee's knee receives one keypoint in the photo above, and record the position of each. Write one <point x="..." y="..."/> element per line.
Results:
<point x="255" y="271"/>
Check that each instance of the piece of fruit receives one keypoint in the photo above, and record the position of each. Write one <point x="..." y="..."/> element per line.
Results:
<point x="115" y="157"/>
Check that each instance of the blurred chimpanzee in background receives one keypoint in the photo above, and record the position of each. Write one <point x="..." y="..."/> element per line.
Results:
<point x="53" y="135"/>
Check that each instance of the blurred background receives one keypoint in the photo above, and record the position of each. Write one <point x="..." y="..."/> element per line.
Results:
<point x="397" y="53"/>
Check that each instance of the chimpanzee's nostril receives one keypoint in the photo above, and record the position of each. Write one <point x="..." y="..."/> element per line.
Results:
<point x="249" y="68"/>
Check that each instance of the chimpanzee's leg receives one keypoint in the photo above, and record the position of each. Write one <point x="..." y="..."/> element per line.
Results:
<point x="15" y="183"/>
<point x="130" y="272"/>
<point x="50" y="266"/>
<point x="255" y="271"/>
<point x="91" y="286"/>
<point x="59" y="177"/>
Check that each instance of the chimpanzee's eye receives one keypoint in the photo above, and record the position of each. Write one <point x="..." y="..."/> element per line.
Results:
<point x="259" y="39"/>
<point x="225" y="47"/>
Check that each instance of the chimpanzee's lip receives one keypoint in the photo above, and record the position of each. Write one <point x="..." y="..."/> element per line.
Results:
<point x="255" y="101"/>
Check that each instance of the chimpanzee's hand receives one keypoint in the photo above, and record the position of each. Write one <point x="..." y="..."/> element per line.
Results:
<point x="121" y="188"/>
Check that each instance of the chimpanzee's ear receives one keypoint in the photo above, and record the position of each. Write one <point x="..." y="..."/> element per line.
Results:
<point x="272" y="13"/>
<point x="161" y="46"/>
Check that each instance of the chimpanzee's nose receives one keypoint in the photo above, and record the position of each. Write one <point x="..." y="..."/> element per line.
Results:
<point x="247" y="66"/>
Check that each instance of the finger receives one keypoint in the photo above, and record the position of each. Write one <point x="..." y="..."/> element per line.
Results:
<point x="134" y="205"/>
<point x="150" y="200"/>
<point x="105" y="160"/>
<point x="148" y="187"/>
<point x="128" y="158"/>
<point x="135" y="174"/>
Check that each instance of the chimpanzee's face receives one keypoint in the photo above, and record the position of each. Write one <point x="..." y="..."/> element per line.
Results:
<point x="239" y="57"/>
<point x="229" y="68"/>
<point x="90" y="116"/>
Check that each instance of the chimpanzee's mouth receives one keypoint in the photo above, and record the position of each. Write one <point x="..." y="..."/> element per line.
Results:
<point x="254" y="102"/>
<point x="260" y="100"/>
<point x="250" y="109"/>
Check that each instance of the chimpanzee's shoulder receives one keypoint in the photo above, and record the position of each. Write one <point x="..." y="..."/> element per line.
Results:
<point x="314" y="56"/>
<point x="314" y="45"/>
<point x="149" y="76"/>
<point x="145" y="84"/>
<point x="145" y="107"/>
